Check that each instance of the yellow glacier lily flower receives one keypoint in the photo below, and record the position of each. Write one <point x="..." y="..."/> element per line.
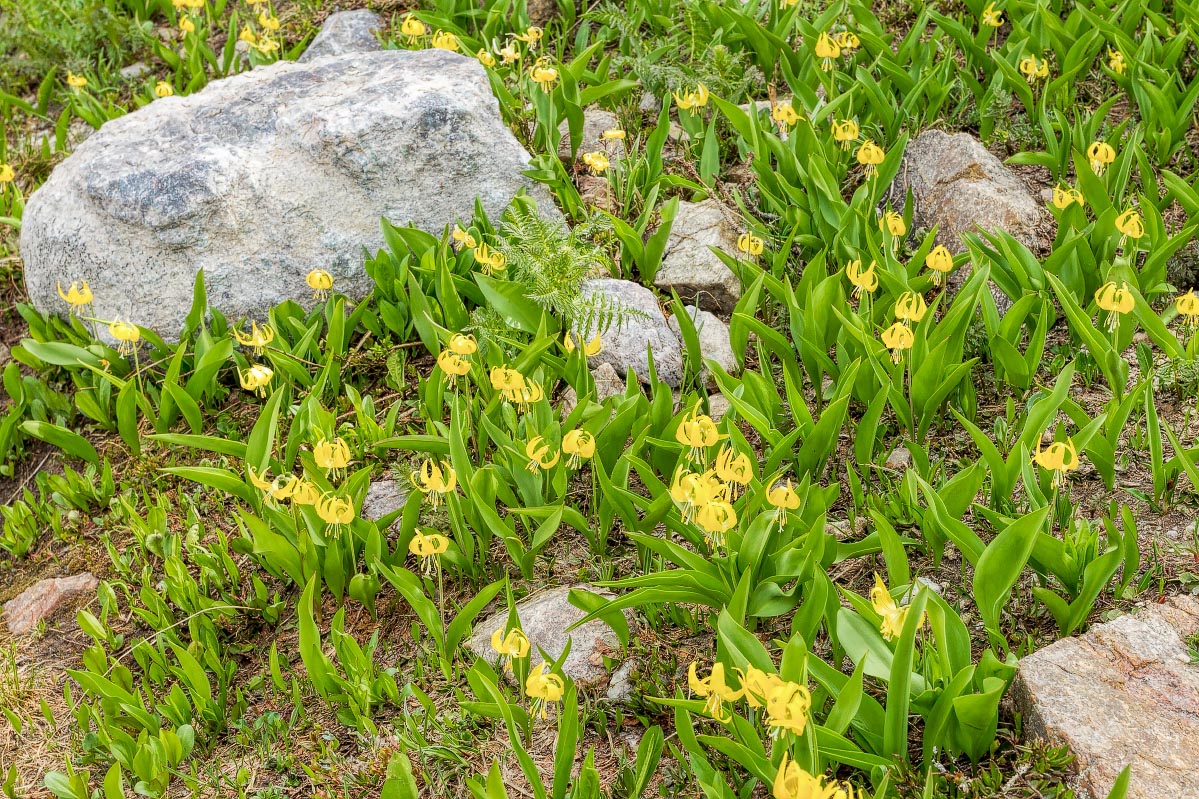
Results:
<point x="597" y="161"/>
<point x="544" y="74"/>
<point x="163" y="89"/>
<point x="898" y="338"/>
<point x="77" y="296"/>
<point x="750" y="244"/>
<point x="697" y="431"/>
<point x="910" y="307"/>
<point x="127" y="335"/>
<point x="862" y="281"/>
<point x="1188" y="308"/>
<point x="590" y="348"/>
<point x="1034" y="68"/>
<point x="443" y="40"/>
<point x="1129" y="223"/>
<point x="846" y="132"/>
<point x="434" y="481"/>
<point x="692" y="99"/>
<point x="320" y="282"/>
<point x="1116" y="62"/>
<point x="735" y="469"/>
<point x="893" y="616"/>
<point x="334" y="511"/>
<point x="412" y="29"/>
<point x="826" y="50"/>
<point x="543" y="688"/>
<point x="940" y="261"/>
<point x="1100" y="155"/>
<point x="1063" y="196"/>
<point x="256" y="379"/>
<point x="485" y="58"/>
<point x="1059" y="457"/>
<point x="579" y="445"/>
<point x="870" y="155"/>
<point x="893" y="223"/>
<point x="787" y="707"/>
<point x="992" y="17"/>
<point x="452" y="364"/>
<point x="1115" y="300"/>
<point x="714" y="689"/>
<point x="514" y="645"/>
<point x="540" y="454"/>
<point x="257" y="338"/>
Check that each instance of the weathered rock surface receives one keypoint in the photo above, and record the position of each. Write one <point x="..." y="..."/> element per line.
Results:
<point x="544" y="618"/>
<point x="384" y="496"/>
<point x="639" y="328"/>
<point x="1124" y="693"/>
<point x="45" y="598"/>
<point x="691" y="268"/>
<point x="713" y="335"/>
<point x="607" y="384"/>
<point x="262" y="177"/>
<point x="345" y="32"/>
<point x="900" y="458"/>
<point x="595" y="122"/>
<point x="959" y="186"/>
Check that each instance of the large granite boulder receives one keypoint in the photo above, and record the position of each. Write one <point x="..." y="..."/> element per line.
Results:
<point x="1126" y="693"/>
<point x="715" y="343"/>
<point x="345" y="32"/>
<point x="262" y="177"/>
<point x="960" y="187"/>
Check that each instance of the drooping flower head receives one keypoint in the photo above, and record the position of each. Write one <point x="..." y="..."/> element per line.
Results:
<point x="1188" y="308"/>
<point x="540" y="454"/>
<point x="827" y="49"/>
<point x="126" y="334"/>
<point x="691" y="99"/>
<point x="1063" y="196"/>
<point x="866" y="281"/>
<point x="898" y="338"/>
<point x="1059" y="457"/>
<point x="434" y="480"/>
<point x="597" y="162"/>
<point x="910" y="307"/>
<point x="77" y="296"/>
<point x="1034" y="68"/>
<point x="543" y="688"/>
<point x="320" y="282"/>
<point x="256" y="379"/>
<point x="940" y="262"/>
<point x="893" y="616"/>
<point x="1115" y="300"/>
<point x="1100" y="154"/>
<point x="714" y="689"/>
<point x="870" y="155"/>
<point x="579" y="446"/>
<point x="335" y="511"/>
<point x="257" y="337"/>
<point x="750" y="244"/>
<point x="428" y="547"/>
<point x="698" y="432"/>
<point x="846" y="132"/>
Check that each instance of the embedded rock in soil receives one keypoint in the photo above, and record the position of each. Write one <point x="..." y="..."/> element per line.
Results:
<point x="345" y="32"/>
<point x="383" y="497"/>
<point x="595" y="122"/>
<point x="1124" y="693"/>
<point x="44" y="598"/>
<point x="637" y="328"/>
<point x="544" y="618"/>
<point x="259" y="178"/>
<point x="607" y="384"/>
<point x="713" y="335"/>
<point x="691" y="268"/>
<point x="959" y="187"/>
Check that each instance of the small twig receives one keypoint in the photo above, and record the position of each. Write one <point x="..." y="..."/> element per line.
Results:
<point x="29" y="477"/>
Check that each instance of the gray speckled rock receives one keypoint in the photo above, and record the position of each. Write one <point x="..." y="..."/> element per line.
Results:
<point x="384" y="496"/>
<point x="629" y="339"/>
<point x="544" y="618"/>
<point x="595" y="122"/>
<point x="607" y="384"/>
<point x="958" y="185"/>
<point x="691" y="268"/>
<point x="1124" y="693"/>
<point x="713" y="335"/>
<point x="262" y="177"/>
<point x="345" y="32"/>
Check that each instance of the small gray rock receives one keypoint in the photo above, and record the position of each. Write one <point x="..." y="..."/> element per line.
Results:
<point x="544" y="618"/>
<point x="1125" y="693"/>
<point x="595" y="122"/>
<point x="650" y="103"/>
<point x="900" y="458"/>
<point x="718" y="406"/>
<point x="639" y="328"/>
<point x="345" y="32"/>
<point x="259" y="178"/>
<point x="691" y="268"/>
<point x="383" y="497"/>
<point x="135" y="70"/>
<point x="607" y="384"/>
<point x="713" y="335"/>
<point x="45" y="598"/>
<point x="620" y="687"/>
